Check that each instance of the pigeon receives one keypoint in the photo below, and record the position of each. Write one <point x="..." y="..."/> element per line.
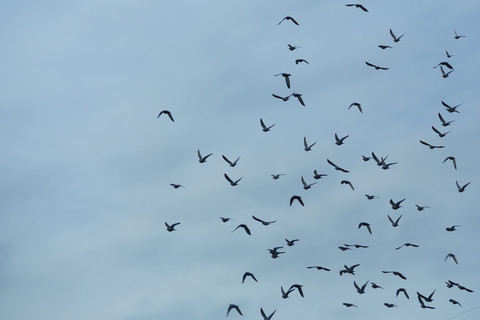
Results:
<point x="402" y="290"/>
<point x="357" y="5"/>
<point x="301" y="60"/>
<point x="390" y="305"/>
<point x="451" y="109"/>
<point x="375" y="66"/>
<point x="291" y="48"/>
<point x="289" y="18"/>
<point x="444" y="63"/>
<point x="277" y="176"/>
<point x="318" y="268"/>
<point x="407" y="244"/>
<point x="202" y="159"/>
<point x="225" y="219"/>
<point x="339" y="141"/>
<point x="364" y="224"/>
<point x="305" y="185"/>
<point x="396" y="205"/>
<point x="452" y="228"/>
<point x="287" y="78"/>
<point x="171" y="228"/>
<point x="265" y="223"/>
<point x="394" y="223"/>
<point x="281" y="98"/>
<point x="455" y="302"/>
<point x="275" y="253"/>
<point x="422" y="303"/>
<point x="232" y="164"/>
<point x="448" y="54"/>
<point x="232" y="183"/>
<point x="348" y="269"/>
<point x="355" y="245"/>
<point x="265" y="316"/>
<point x="457" y="36"/>
<point x="383" y="47"/>
<point x="248" y="274"/>
<point x="298" y="287"/>
<point x="453" y="160"/>
<point x="348" y="305"/>
<point x="445" y="74"/>
<point x="396" y="273"/>
<point x="306" y="145"/>
<point x="395" y="39"/>
<point x="440" y="134"/>
<point x="444" y="123"/>
<point x="349" y="183"/>
<point x="299" y="97"/>
<point x="375" y="286"/>
<point x="244" y="226"/>
<point x="176" y="186"/>
<point x="234" y="306"/>
<point x="291" y="242"/>
<point x="285" y="294"/>
<point x="431" y="146"/>
<point x="461" y="189"/>
<point x="298" y="198"/>
<point x="360" y="290"/>
<point x="356" y="104"/>
<point x="421" y="208"/>
<point x="386" y="166"/>
<point x="264" y="127"/>
<point x="365" y="158"/>
<point x="344" y="248"/>
<point x="317" y="176"/>
<point x="336" y="167"/>
<point x="451" y="255"/>
<point x="371" y="197"/>
<point x="168" y="113"/>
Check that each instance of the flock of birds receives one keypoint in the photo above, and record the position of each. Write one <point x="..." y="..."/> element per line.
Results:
<point x="425" y="301"/>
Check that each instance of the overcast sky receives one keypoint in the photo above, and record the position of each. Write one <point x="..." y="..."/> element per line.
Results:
<point x="86" y="166"/>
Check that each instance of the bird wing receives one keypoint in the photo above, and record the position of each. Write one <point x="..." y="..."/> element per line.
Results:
<point x="371" y="65"/>
<point x="393" y="35"/>
<point x="301" y="100"/>
<point x="436" y="131"/>
<point x="259" y="220"/>
<point x="262" y="124"/>
<point x="226" y="159"/>
<point x="389" y="218"/>
<point x="294" y="21"/>
<point x="228" y="178"/>
<point x="427" y="144"/>
<point x="305" y="142"/>
<point x="287" y="81"/>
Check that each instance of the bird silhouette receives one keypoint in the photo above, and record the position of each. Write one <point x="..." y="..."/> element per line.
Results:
<point x="292" y="47"/>
<point x="301" y="60"/>
<point x="402" y="290"/>
<point x="394" y="223"/>
<point x="290" y="19"/>
<point x="452" y="228"/>
<point x="348" y="305"/>
<point x="461" y="188"/>
<point x="306" y="145"/>
<point x="337" y="167"/>
<point x="265" y="316"/>
<point x="232" y="164"/>
<point x="232" y="183"/>
<point x="407" y="244"/>
<point x="234" y="306"/>
<point x="225" y="219"/>
<point x="453" y="160"/>
<point x="305" y="185"/>
<point x="396" y="205"/>
<point x="431" y="146"/>
<point x="281" y="98"/>
<point x="375" y="66"/>
<point x="357" y="5"/>
<point x="264" y="127"/>
<point x="176" y="186"/>
<point x="390" y="305"/>
<point x="244" y="226"/>
<point x="298" y="287"/>
<point x="457" y="36"/>
<point x="287" y="78"/>
<point x="349" y="183"/>
<point x="248" y="274"/>
<point x="371" y="197"/>
<point x="445" y="74"/>
<point x="285" y="294"/>
<point x="451" y="109"/>
<point x="444" y="63"/>
<point x="168" y="113"/>
<point x="395" y="38"/>
<point x="202" y="159"/>
<point x="454" y="302"/>
<point x="348" y="269"/>
<point x="171" y="228"/>
<point x="421" y="208"/>
<point x="339" y="141"/>
<point x="317" y="176"/>
<point x="277" y="176"/>
<point x="298" y="198"/>
<point x="367" y="225"/>
<point x="448" y="54"/>
<point x="375" y="286"/>
<point x="299" y="97"/>
<point x="356" y="104"/>
<point x="444" y="123"/>
<point x="318" y="268"/>
<point x="265" y="223"/>
<point x="440" y="134"/>
<point x="451" y="255"/>
<point x="291" y="243"/>
<point x="360" y="290"/>
<point x="383" y="47"/>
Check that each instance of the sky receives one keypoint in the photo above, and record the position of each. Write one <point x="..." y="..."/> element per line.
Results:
<point x="86" y="164"/>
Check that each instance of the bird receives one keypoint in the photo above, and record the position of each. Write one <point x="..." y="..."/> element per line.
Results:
<point x="298" y="198"/>
<point x="422" y="303"/>
<point x="375" y="66"/>
<point x="396" y="273"/>
<point x="337" y="167"/>
<point x="371" y="197"/>
<point x="463" y="288"/>
<point x="298" y="287"/>
<point x="225" y="219"/>
<point x="375" y="286"/>
<point x="451" y="255"/>
<point x="317" y="176"/>
<point x="318" y="268"/>
<point x="349" y="183"/>
<point x="395" y="39"/>
<point x="402" y="290"/>
<point x="383" y="47"/>
<point x="366" y="158"/>
<point x="348" y="269"/>
<point x="285" y="294"/>
<point x="445" y="74"/>
<point x="171" y="228"/>
<point x="281" y="98"/>
<point x="426" y="299"/>
<point x="379" y="162"/>
<point x="453" y="160"/>
<point x="396" y="205"/>
<point x="248" y="274"/>
<point x="299" y="97"/>
<point x="348" y="305"/>
<point x="444" y="123"/>
<point x="291" y="242"/>
<point x="168" y="113"/>
<point x="452" y="228"/>
<point x="265" y="223"/>
<point x="291" y="47"/>
<point x="457" y="36"/>
<point x="394" y="223"/>
<point x="360" y="290"/>
<point x="202" y="159"/>
<point x="455" y="302"/>
<point x="232" y="183"/>
<point x="287" y="78"/>
<point x="301" y="60"/>
<point x="344" y="248"/>
<point x="275" y="253"/>
<point x="431" y="146"/>
<point x="289" y="18"/>
<point x="264" y="127"/>
<point x="448" y="54"/>
<point x="339" y="141"/>
<point x="390" y="305"/>
<point x="461" y="189"/>
<point x="305" y="185"/>
<point x="306" y="145"/>
<point x="407" y="244"/>
<point x="440" y="134"/>
<point x="444" y="63"/>
<point x="365" y="224"/>
<point x="232" y="164"/>
<point x="355" y="245"/>
<point x="176" y="186"/>
<point x="356" y="104"/>
<point x="277" y="176"/>
<point x="265" y="316"/>
<point x="450" y="283"/>
<point x="244" y="226"/>
<point x="451" y="109"/>
<point x="386" y="166"/>
<point x="234" y="306"/>
<point x="421" y="208"/>
<point x="357" y="5"/>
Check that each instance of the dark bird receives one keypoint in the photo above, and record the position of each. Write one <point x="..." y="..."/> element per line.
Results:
<point x="421" y="208"/>
<point x="395" y="39"/>
<point x="171" y="228"/>
<point x="394" y="223"/>
<point x="364" y="224"/>
<point x="463" y="288"/>
<point x="248" y="274"/>
<point x="265" y="316"/>
<point x="336" y="167"/>
<point x="407" y="244"/>
<point x="356" y="104"/>
<point x="287" y="78"/>
<point x="451" y="109"/>
<point x="375" y="286"/>
<point x="298" y="287"/>
<point x="176" y="186"/>
<point x="375" y="66"/>
<point x="317" y="176"/>
<point x="291" y="48"/>
<point x="202" y="159"/>
<point x="348" y="269"/>
<point x="450" y="284"/>
<point x="301" y="60"/>
<point x="275" y="253"/>
<point x="422" y="303"/>
<point x="361" y="289"/>
<point x="225" y="219"/>
<point x="445" y="74"/>
<point x="356" y="246"/>
<point x="265" y="223"/>
<point x="232" y="164"/>
<point x="431" y="146"/>
<point x="168" y="113"/>
<point x="365" y="158"/>
<point x="383" y="47"/>
<point x="390" y="305"/>
<point x="440" y="134"/>
<point x="285" y="294"/>
<point x="318" y="268"/>
<point x="305" y="185"/>
<point x="291" y="242"/>
<point x="448" y="54"/>
<point x="339" y="141"/>
<point x="451" y="255"/>
<point x="453" y="160"/>
<point x="461" y="189"/>
<point x="371" y="197"/>
<point x="306" y="145"/>
<point x="289" y="18"/>
<point x="232" y="183"/>
<point x="299" y="97"/>
<point x="458" y="36"/>
<point x="298" y="198"/>
<point x="277" y="176"/>
<point x="444" y="63"/>
<point x="396" y="273"/>
<point x="444" y="123"/>
<point x="244" y="226"/>
<point x="386" y="166"/>
<point x="452" y="228"/>
<point x="455" y="302"/>
<point x="344" y="248"/>
<point x="349" y="183"/>
<point x="234" y="306"/>
<point x="402" y="290"/>
<point x="396" y="205"/>
<point x="380" y="162"/>
<point x="281" y="98"/>
<point x="264" y="127"/>
<point x="357" y="5"/>
<point x="348" y="305"/>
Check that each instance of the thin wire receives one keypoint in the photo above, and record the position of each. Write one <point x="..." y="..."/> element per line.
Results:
<point x="458" y="315"/>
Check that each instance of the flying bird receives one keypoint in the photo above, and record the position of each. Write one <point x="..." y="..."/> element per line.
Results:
<point x="336" y="167"/>
<point x="355" y="245"/>
<point x="248" y="274"/>
<point x="356" y="104"/>
<point x="288" y="18"/>
<point x="390" y="305"/>
<point x="365" y="158"/>
<point x="357" y="5"/>
<point x="365" y="224"/>
<point x="264" y="127"/>
<point x="298" y="198"/>
<point x="452" y="228"/>
<point x="317" y="176"/>
<point x="348" y="305"/>
<point x="318" y="268"/>
<point x="277" y="176"/>
<point x="444" y="123"/>
<point x="306" y="145"/>
<point x="457" y="36"/>
<point x="225" y="219"/>
<point x="301" y="60"/>
<point x="281" y="98"/>
<point x="451" y="255"/>
<point x="299" y="97"/>
<point x="421" y="208"/>
<point x="291" y="48"/>
<point x="349" y="183"/>
<point x="275" y="253"/>
<point x="395" y="39"/>
<point x="448" y="54"/>
<point x="375" y="66"/>
<point x="339" y="141"/>
<point x="451" y="109"/>
<point x="455" y="302"/>
<point x="402" y="290"/>
<point x="396" y="273"/>
<point x="285" y="294"/>
<point x="461" y="189"/>
<point x="232" y="183"/>
<point x="291" y="242"/>
<point x="168" y="113"/>
<point x="232" y="164"/>
<point x="202" y="159"/>
<point x="287" y="78"/>
<point x="171" y="228"/>
<point x="305" y="185"/>
<point x="407" y="244"/>
<point x="298" y="287"/>
<point x="244" y="226"/>
<point x="440" y="134"/>
<point x="371" y="197"/>
<point x="344" y="248"/>
<point x="394" y="223"/>
<point x="234" y="306"/>
<point x="383" y="47"/>
<point x="348" y="269"/>
<point x="375" y="286"/>
<point x="444" y="63"/>
<point x="176" y="186"/>
<point x="445" y="74"/>
<point x="453" y="160"/>
<point x="361" y="289"/>
<point x="431" y="146"/>
<point x="422" y="303"/>
<point x="265" y="223"/>
<point x="396" y="205"/>
<point x="265" y="316"/>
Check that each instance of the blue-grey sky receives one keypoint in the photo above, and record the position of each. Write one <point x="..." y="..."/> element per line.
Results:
<point x="87" y="166"/>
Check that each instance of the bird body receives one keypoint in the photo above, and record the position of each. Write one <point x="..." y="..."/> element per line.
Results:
<point x="339" y="141"/>
<point x="305" y="185"/>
